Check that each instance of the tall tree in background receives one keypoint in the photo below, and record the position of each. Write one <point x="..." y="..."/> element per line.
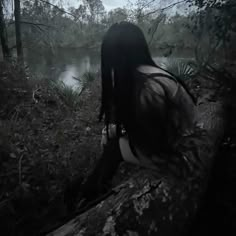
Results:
<point x="19" y="48"/>
<point x="95" y="8"/>
<point x="117" y="15"/>
<point x="215" y="20"/>
<point x="3" y="34"/>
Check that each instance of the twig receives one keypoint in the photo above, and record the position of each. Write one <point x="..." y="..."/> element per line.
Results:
<point x="32" y="23"/>
<point x="147" y="4"/>
<point x="77" y="78"/>
<point x="164" y="8"/>
<point x="82" y="90"/>
<point x="158" y="21"/>
<point x="143" y="7"/>
<point x="58" y="8"/>
<point x="37" y="25"/>
<point x="33" y="95"/>
<point x="20" y="169"/>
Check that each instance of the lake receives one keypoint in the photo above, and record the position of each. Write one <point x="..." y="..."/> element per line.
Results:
<point x="64" y="64"/>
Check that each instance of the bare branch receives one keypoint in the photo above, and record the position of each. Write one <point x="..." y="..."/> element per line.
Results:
<point x="36" y="24"/>
<point x="147" y="4"/>
<point x="140" y="9"/>
<point x="32" y="23"/>
<point x="165" y="8"/>
<point x="58" y="8"/>
<point x="157" y="23"/>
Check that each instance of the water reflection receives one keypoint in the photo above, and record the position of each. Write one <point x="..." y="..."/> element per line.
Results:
<point x="63" y="65"/>
<point x="73" y="71"/>
<point x="67" y="76"/>
<point x="67" y="64"/>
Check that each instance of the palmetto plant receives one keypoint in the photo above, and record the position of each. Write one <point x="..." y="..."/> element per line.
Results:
<point x="85" y="79"/>
<point x="182" y="68"/>
<point x="69" y="95"/>
<point x="89" y="76"/>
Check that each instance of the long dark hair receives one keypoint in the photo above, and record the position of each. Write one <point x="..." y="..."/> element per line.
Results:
<point x="123" y="49"/>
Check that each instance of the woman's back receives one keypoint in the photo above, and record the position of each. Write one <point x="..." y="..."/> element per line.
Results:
<point x="162" y="111"/>
<point x="154" y="109"/>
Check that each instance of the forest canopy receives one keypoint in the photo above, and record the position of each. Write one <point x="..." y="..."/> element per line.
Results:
<point x="183" y="25"/>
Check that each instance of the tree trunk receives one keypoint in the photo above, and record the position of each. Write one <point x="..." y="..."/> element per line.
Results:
<point x="150" y="203"/>
<point x="19" y="48"/>
<point x="3" y="34"/>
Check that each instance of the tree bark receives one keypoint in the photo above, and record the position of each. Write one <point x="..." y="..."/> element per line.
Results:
<point x="150" y="203"/>
<point x="19" y="48"/>
<point x="3" y="34"/>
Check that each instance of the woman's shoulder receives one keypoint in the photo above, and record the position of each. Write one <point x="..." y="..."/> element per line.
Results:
<point x="161" y="89"/>
<point x="148" y="69"/>
<point x="160" y="82"/>
<point x="157" y="81"/>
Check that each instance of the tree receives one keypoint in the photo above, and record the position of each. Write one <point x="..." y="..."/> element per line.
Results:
<point x="216" y="20"/>
<point x="95" y="8"/>
<point x="19" y="47"/>
<point x="3" y="34"/>
<point x="117" y="15"/>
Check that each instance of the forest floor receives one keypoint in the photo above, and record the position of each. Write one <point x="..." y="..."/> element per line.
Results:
<point x="45" y="142"/>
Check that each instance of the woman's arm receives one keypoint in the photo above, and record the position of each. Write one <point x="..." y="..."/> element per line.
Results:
<point x="99" y="181"/>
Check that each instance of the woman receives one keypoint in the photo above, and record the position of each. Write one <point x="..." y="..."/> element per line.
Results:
<point x="145" y="108"/>
<point x="148" y="102"/>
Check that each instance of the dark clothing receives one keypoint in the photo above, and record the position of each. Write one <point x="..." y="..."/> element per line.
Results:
<point x="162" y="112"/>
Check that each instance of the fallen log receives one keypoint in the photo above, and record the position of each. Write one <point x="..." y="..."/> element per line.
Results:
<point x="151" y="203"/>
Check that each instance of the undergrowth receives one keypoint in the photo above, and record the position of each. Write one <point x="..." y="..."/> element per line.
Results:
<point x="48" y="135"/>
